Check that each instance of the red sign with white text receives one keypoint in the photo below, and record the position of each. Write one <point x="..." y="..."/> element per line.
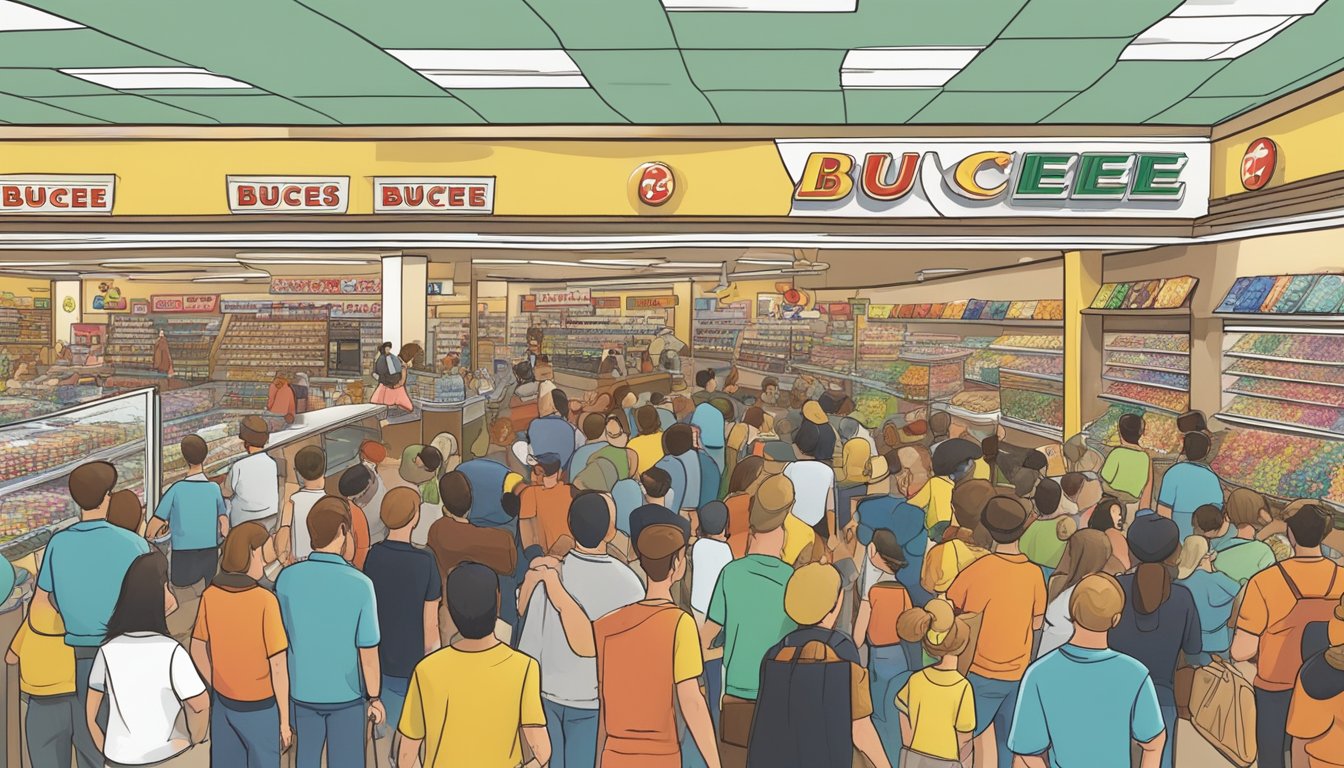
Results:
<point x="59" y="195"/>
<point x="202" y="304"/>
<point x="1257" y="165"/>
<point x="420" y="194"/>
<point x="288" y="194"/>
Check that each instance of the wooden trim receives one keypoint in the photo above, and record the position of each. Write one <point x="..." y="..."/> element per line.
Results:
<point x="1279" y="107"/>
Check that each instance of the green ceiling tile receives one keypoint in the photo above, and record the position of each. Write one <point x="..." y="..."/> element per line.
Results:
<point x="1326" y="71"/>
<point x="1312" y="42"/>
<point x="889" y="106"/>
<point x="46" y="82"/>
<point x="1040" y="65"/>
<point x="539" y="105"/>
<point x="647" y="86"/>
<point x="779" y="107"/>
<point x="72" y="48"/>
<point x="248" y="110"/>
<point x="1203" y="111"/>
<point x="605" y="24"/>
<point x="804" y="70"/>
<point x="128" y="109"/>
<point x="1133" y="91"/>
<point x="441" y="23"/>
<point x="394" y="110"/>
<point x="1063" y="18"/>
<point x="157" y="92"/>
<point x="1003" y="108"/>
<point x="21" y="111"/>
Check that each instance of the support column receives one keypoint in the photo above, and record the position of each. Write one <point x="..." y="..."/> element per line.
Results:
<point x="405" y="302"/>
<point x="60" y="291"/>
<point x="1082" y="339"/>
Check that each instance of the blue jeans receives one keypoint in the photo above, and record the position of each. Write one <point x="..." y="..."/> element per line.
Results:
<point x="889" y="667"/>
<point x="573" y="735"/>
<point x="714" y="688"/>
<point x="394" y="699"/>
<point x="339" y="726"/>
<point x="1271" y="727"/>
<point x="1169" y="748"/>
<point x="995" y="702"/>
<point x="50" y="729"/>
<point x="86" y="754"/>
<point x="244" y="733"/>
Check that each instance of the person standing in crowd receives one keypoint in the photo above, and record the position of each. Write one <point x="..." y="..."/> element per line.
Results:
<point x="748" y="605"/>
<point x="281" y="399"/>
<point x="544" y="507"/>
<point x="162" y="358"/>
<point x="648" y="666"/>
<point x="468" y="703"/>
<point x="1279" y="605"/>
<point x="936" y="704"/>
<point x="682" y="466"/>
<point x="707" y="383"/>
<point x="1082" y="491"/>
<point x="709" y="555"/>
<point x="455" y="538"/>
<point x="953" y="462"/>
<point x="81" y="578"/>
<point x="146" y="677"/>
<point x="1128" y="469"/>
<point x="1109" y="518"/>
<point x="372" y="454"/>
<point x="711" y="473"/>
<point x="813" y="413"/>
<point x="648" y="445"/>
<point x="1189" y="484"/>
<point x="835" y="684"/>
<point x="1043" y="543"/>
<point x="1214" y="594"/>
<point x="890" y="663"/>
<point x="1086" y="703"/>
<point x="1240" y="554"/>
<point x="813" y="482"/>
<point x="391" y="370"/>
<point x="1160" y="620"/>
<point x="310" y="465"/>
<point x="961" y="544"/>
<point x="711" y="417"/>
<point x="904" y="521"/>
<point x="254" y="480"/>
<point x="1031" y="472"/>
<point x="1316" y="715"/>
<point x="1008" y="591"/>
<point x="354" y="484"/>
<point x="46" y="675"/>
<point x="125" y="511"/>
<point x="239" y="645"/>
<point x="551" y="431"/>
<point x="594" y="428"/>
<point x="193" y="511"/>
<point x="406" y="588"/>
<point x="559" y="602"/>
<point x="331" y="617"/>
<point x="1086" y="553"/>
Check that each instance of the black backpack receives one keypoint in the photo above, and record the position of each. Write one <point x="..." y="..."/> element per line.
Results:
<point x="813" y="693"/>
<point x="383" y="372"/>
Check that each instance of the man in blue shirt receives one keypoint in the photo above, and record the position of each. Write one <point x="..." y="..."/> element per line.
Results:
<point x="711" y="418"/>
<point x="193" y="510"/>
<point x="552" y="433"/>
<point x="81" y="576"/>
<point x="594" y="431"/>
<point x="1060" y="718"/>
<point x="1189" y="485"/>
<point x="906" y="523"/>
<point x="331" y="616"/>
<point x="682" y="465"/>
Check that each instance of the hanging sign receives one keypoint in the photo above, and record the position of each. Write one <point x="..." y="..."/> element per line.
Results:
<point x="56" y="195"/>
<point x="422" y="194"/>
<point x="327" y="286"/>
<point x="1257" y="165"/>
<point x="353" y="309"/>
<point x="288" y="194"/>
<point x="606" y="302"/>
<point x="202" y="304"/>
<point x="1140" y="178"/>
<point x="651" y="302"/>
<point x="570" y="297"/>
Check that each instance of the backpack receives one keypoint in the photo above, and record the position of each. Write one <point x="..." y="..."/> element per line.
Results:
<point x="1222" y="710"/>
<point x="814" y="693"/>
<point x="387" y="370"/>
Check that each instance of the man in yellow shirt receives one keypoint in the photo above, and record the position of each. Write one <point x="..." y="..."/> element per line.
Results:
<point x="953" y="460"/>
<point x="47" y="675"/>
<point x="468" y="703"/>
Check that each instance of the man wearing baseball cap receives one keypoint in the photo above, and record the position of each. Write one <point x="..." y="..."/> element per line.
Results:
<point x="542" y="518"/>
<point x="254" y="487"/>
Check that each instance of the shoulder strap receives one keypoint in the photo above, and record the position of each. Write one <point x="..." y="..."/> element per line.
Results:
<point x="1292" y="585"/>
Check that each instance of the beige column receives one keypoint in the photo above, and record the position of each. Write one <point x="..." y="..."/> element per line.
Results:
<point x="405" y="303"/>
<point x="60" y="291"/>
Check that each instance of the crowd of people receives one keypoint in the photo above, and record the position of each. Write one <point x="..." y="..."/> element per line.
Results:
<point x="641" y="581"/>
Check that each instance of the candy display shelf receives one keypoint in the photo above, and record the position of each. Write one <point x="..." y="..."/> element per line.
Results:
<point x="189" y="342"/>
<point x="1325" y="395"/>
<point x="716" y="331"/>
<point x="130" y="342"/>
<point x="832" y="344"/>
<point x="14" y="409"/>
<point x="1160" y="435"/>
<point x="254" y="349"/>
<point x="451" y="335"/>
<point x="1285" y="380"/>
<point x="1032" y="402"/>
<point x="25" y="326"/>
<point x="881" y="341"/>
<point x="767" y="345"/>
<point x="1280" y="346"/>
<point x="1287" y="466"/>
<point x="1270" y="370"/>
<point x="1176" y="382"/>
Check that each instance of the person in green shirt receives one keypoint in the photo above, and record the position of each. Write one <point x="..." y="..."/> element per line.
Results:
<point x="1043" y="542"/>
<point x="1240" y="554"/>
<point x="1128" y="469"/>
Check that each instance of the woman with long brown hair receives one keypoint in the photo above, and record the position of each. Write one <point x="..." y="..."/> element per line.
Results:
<point x="392" y="387"/>
<point x="1086" y="552"/>
<point x="746" y="477"/>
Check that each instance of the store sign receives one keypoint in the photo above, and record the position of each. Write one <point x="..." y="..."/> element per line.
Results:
<point x="650" y="302"/>
<point x="201" y="304"/>
<point x="327" y="286"/>
<point x="606" y="302"/>
<point x="1257" y="165"/>
<point x="420" y="194"/>
<point x="139" y="306"/>
<point x="572" y="297"/>
<point x="439" y="288"/>
<point x="288" y="194"/>
<point x="654" y="183"/>
<point x="59" y="195"/>
<point x="880" y="311"/>
<point x="960" y="179"/>
<point x="355" y="309"/>
<point x="244" y="306"/>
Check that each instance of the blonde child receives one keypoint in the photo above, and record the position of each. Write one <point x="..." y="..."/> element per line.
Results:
<point x="937" y="705"/>
<point x="47" y="676"/>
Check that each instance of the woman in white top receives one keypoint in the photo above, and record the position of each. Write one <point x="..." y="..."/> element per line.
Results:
<point x="146" y="676"/>
<point x="1085" y="553"/>
<point x="813" y="483"/>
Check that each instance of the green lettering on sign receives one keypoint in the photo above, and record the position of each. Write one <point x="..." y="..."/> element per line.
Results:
<point x="1102" y="177"/>
<point x="1044" y="176"/>
<point x="1158" y="177"/>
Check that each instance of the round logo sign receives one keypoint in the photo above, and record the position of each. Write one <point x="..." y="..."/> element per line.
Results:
<point x="1257" y="165"/>
<point x="654" y="183"/>
<point x="69" y="304"/>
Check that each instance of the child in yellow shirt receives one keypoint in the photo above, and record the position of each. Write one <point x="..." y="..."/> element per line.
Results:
<point x="937" y="705"/>
<point x="47" y="677"/>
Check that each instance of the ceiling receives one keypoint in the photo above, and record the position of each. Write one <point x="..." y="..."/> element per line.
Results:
<point x="330" y="62"/>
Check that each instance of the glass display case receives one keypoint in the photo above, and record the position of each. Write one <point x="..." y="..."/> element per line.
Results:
<point x="211" y="411"/>
<point x="39" y="453"/>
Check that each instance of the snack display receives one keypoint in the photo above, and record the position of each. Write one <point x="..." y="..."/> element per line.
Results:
<point x="1285" y="294"/>
<point x="1175" y="292"/>
<point x="254" y="349"/>
<point x="1049" y="309"/>
<point x="1280" y="412"/>
<point x="1022" y="310"/>
<point x="976" y="402"/>
<point x="1154" y="342"/>
<point x="18" y="408"/>
<point x="1029" y="343"/>
<point x="1140" y="394"/>
<point x="1154" y="360"/>
<point x="1300" y="347"/>
<point x="873" y="408"/>
<point x="1179" y="381"/>
<point x="187" y="402"/>
<point x="1290" y="391"/>
<point x="1033" y="408"/>
<point x="1160" y="432"/>
<point x="46" y="445"/>
<point x="1283" y="371"/>
<point x="1283" y="465"/>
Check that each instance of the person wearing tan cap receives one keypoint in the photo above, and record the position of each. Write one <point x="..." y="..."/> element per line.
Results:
<point x="748" y="607"/>
<point x="254" y="485"/>
<point x="797" y="722"/>
<point x="647" y="657"/>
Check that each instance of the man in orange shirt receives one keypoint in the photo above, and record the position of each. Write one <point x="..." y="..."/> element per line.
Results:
<point x="543" y="516"/>
<point x="1316" y="715"/>
<point x="354" y="483"/>
<point x="1009" y="592"/>
<point x="239" y="645"/>
<point x="1280" y="602"/>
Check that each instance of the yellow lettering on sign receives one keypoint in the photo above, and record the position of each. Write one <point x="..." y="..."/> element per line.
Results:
<point x="826" y="177"/>
<point x="964" y="180"/>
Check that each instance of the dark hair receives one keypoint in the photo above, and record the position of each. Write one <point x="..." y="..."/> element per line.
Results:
<point x="194" y="450"/>
<point x="385" y="347"/>
<point x="410" y="351"/>
<point x="91" y="483"/>
<point x="522" y="371"/>
<point x="702" y="378"/>
<point x="242" y="541"/>
<point x="140" y="604"/>
<point x="455" y="493"/>
<point x="589" y="518"/>
<point x="325" y="520"/>
<point x="1208" y="518"/>
<point x="1102" y="519"/>
<point x="769" y="381"/>
<point x="657" y="398"/>
<point x="678" y="439"/>
<point x="745" y="473"/>
<point x="594" y="425"/>
<point x="431" y="458"/>
<point x="754" y="417"/>
<point x="1035" y="460"/>
<point x="560" y="400"/>
<point x="656" y="481"/>
<point x="990" y="448"/>
<point x="713" y="518"/>
<point x="1072" y="483"/>
<point x="647" y="419"/>
<point x="1195" y="446"/>
<point x="618" y="394"/>
<point x="1047" y="496"/>
<point x="125" y="511"/>
<point x="808" y="439"/>
<point x="1131" y="427"/>
<point x="473" y="600"/>
<point x="940" y="423"/>
<point x="889" y="549"/>
<point x="311" y="462"/>
<point x="1309" y="525"/>
<point x="354" y="481"/>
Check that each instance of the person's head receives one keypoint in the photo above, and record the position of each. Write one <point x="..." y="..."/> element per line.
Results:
<point x="812" y="597"/>
<point x="124" y="510"/>
<point x="1109" y="513"/>
<point x="808" y="440"/>
<point x="594" y="426"/>
<point x="968" y="502"/>
<point x="916" y="460"/>
<point x="1195" y="445"/>
<point x="1131" y="427"/>
<point x="1209" y="520"/>
<point x="754" y="417"/>
<point x="647" y="420"/>
<point x="745" y="474"/>
<point x="1154" y="541"/>
<point x="887" y="552"/>
<point x="547" y="466"/>
<point x="372" y="452"/>
<point x="662" y="553"/>
<point x="385" y="348"/>
<point x="400" y="508"/>
<point x="770" y="505"/>
<point x="354" y="482"/>
<point x="770" y="388"/>
<point x="455" y="494"/>
<point x="1086" y="552"/>
<point x="590" y="519"/>
<point x="1245" y="507"/>
<point x="940" y="423"/>
<point x="622" y="396"/>
<point x="955" y="458"/>
<point x="254" y="432"/>
<point x="1308" y="526"/>
<point x="144" y="602"/>
<point x="613" y="431"/>
<point x="1035" y="461"/>
<point x="1047" y="497"/>
<point x="1082" y="488"/>
<point x="713" y="517"/>
<point x="473" y="600"/>
<point x="91" y="485"/>
<point x="1005" y="517"/>
<point x="1193" y="551"/>
<point x="936" y="627"/>
<point x="329" y="524"/>
<point x="409" y="352"/>
<point x="657" y="483"/>
<point x="1097" y="602"/>
<point x="311" y="463"/>
<point x="429" y="458"/>
<point x="244" y="550"/>
<point x="194" y="450"/>
<point x="678" y="439"/>
<point x="706" y="379"/>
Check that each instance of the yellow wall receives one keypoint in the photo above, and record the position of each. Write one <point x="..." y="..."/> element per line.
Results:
<point x="1309" y="145"/>
<point x="22" y="286"/>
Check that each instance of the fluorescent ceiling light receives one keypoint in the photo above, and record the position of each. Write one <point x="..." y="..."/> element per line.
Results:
<point x="15" y="17"/>
<point x="758" y="273"/>
<point x="767" y="262"/>
<point x="764" y="6"/>
<point x="893" y="68"/>
<point x="622" y="262"/>
<point x="699" y="266"/>
<point x="24" y="264"/>
<point x="254" y="275"/>
<point x="663" y="281"/>
<point x="227" y="280"/>
<point x="514" y="68"/>
<point x="1248" y="7"/>
<point x="169" y="260"/>
<point x="315" y="262"/>
<point x="942" y="271"/>
<point x="155" y="78"/>
<point x="1216" y="30"/>
<point x="329" y="255"/>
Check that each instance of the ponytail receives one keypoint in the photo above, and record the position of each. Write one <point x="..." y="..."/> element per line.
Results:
<point x="935" y="626"/>
<point x="1152" y="583"/>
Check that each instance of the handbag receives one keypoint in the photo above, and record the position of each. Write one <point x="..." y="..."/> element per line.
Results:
<point x="1222" y="710"/>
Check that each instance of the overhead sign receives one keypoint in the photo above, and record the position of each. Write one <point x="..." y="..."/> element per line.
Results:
<point x="667" y="301"/>
<point x="288" y="194"/>
<point x="570" y="297"/>
<point x="58" y="195"/>
<point x="423" y="194"/>
<point x="1141" y="178"/>
<point x="1257" y="165"/>
<point x="654" y="183"/>
<point x="355" y="309"/>
<point x="199" y="303"/>
<point x="327" y="286"/>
